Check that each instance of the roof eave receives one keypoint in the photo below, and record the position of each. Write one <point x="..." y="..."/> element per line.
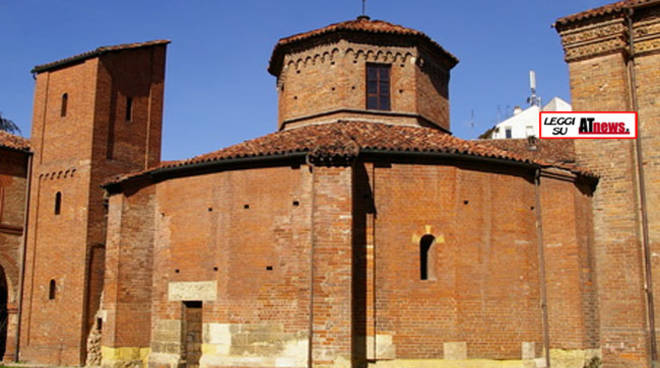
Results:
<point x="14" y="149"/>
<point x="94" y="53"/>
<point x="205" y="167"/>
<point x="599" y="12"/>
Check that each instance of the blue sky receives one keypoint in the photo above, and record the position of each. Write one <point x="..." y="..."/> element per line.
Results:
<point x="217" y="89"/>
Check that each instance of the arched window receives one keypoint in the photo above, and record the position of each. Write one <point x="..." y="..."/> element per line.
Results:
<point x="52" y="287"/>
<point x="427" y="257"/>
<point x="58" y="202"/>
<point x="65" y="101"/>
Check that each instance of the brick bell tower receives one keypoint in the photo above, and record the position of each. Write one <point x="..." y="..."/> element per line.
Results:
<point x="362" y="69"/>
<point x="96" y="115"/>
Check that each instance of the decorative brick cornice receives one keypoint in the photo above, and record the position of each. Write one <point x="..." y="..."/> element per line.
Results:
<point x="330" y="53"/>
<point x="647" y="35"/>
<point x="60" y="174"/>
<point x="609" y="34"/>
<point x="594" y="39"/>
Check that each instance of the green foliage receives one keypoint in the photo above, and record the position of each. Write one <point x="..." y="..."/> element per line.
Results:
<point x="8" y="125"/>
<point x="593" y="363"/>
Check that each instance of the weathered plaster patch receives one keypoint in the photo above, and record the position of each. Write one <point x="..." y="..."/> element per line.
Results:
<point x="192" y="290"/>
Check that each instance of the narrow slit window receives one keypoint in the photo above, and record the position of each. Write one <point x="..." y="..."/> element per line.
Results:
<point x="378" y="87"/>
<point x="65" y="102"/>
<point x="58" y="203"/>
<point x="427" y="257"/>
<point x="52" y="288"/>
<point x="129" y="109"/>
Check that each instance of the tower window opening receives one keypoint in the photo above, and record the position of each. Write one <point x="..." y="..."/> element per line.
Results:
<point x="129" y="109"/>
<point x="58" y="203"/>
<point x="427" y="257"/>
<point x="65" y="101"/>
<point x="378" y="87"/>
<point x="52" y="287"/>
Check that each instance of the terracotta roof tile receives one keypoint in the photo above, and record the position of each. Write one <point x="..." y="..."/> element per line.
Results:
<point x="603" y="10"/>
<point x="361" y="24"/>
<point x="555" y="151"/>
<point x="96" y="52"/>
<point x="14" y="142"/>
<point x="348" y="139"/>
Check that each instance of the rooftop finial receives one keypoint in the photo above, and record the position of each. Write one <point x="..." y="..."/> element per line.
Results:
<point x="363" y="16"/>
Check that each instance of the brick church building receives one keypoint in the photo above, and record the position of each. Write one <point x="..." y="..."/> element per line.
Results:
<point x="360" y="233"/>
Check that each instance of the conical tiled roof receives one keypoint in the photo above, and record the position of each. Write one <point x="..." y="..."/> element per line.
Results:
<point x="361" y="24"/>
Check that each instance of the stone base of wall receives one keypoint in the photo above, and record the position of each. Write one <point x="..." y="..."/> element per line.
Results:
<point x="124" y="357"/>
<point x="462" y="363"/>
<point x="559" y="358"/>
<point x="264" y="347"/>
<point x="576" y="358"/>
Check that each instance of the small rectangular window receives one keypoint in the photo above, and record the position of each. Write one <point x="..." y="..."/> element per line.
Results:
<point x="58" y="203"/>
<point x="378" y="87"/>
<point x="52" y="289"/>
<point x="129" y="109"/>
<point x="65" y="102"/>
<point x="507" y="133"/>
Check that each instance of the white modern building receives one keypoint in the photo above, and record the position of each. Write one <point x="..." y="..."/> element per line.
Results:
<point x="525" y="123"/>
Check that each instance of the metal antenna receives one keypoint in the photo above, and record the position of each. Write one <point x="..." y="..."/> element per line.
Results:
<point x="533" y="99"/>
<point x="364" y="7"/>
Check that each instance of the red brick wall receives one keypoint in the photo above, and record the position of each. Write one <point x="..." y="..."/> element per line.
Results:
<point x="486" y="290"/>
<point x="332" y="312"/>
<point x="208" y="234"/>
<point x="51" y="329"/>
<point x="333" y="76"/>
<point x="600" y="80"/>
<point x="128" y="269"/>
<point x="432" y="90"/>
<point x="472" y="299"/>
<point x="74" y="154"/>
<point x="618" y="253"/>
<point x="568" y="252"/>
<point x="13" y="172"/>
<point x="364" y="224"/>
